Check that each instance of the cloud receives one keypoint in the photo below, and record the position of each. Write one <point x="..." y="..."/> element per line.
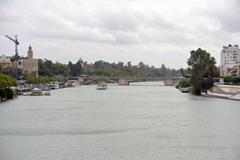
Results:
<point x="97" y="29"/>
<point x="227" y="14"/>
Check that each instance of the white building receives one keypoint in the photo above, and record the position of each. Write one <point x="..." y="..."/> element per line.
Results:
<point x="230" y="61"/>
<point x="4" y="60"/>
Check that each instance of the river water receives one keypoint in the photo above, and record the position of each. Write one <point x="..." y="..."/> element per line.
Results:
<point x="143" y="121"/>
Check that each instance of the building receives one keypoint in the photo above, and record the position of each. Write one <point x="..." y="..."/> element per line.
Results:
<point x="230" y="61"/>
<point x="30" y="65"/>
<point x="5" y="61"/>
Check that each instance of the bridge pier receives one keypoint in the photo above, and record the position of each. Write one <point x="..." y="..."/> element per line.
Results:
<point x="169" y="82"/>
<point x="123" y="82"/>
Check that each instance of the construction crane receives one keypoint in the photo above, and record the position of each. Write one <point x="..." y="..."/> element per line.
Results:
<point x="16" y="57"/>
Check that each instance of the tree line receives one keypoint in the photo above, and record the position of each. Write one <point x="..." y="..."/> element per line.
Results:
<point x="103" y="68"/>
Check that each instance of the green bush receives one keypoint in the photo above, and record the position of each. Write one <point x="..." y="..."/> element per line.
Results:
<point x="183" y="83"/>
<point x="9" y="93"/>
<point x="6" y="81"/>
<point x="45" y="79"/>
<point x="232" y="80"/>
<point x="38" y="80"/>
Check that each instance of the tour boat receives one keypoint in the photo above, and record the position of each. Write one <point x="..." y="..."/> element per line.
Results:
<point x="36" y="92"/>
<point x="102" y="86"/>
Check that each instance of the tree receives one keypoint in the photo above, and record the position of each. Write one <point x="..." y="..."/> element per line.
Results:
<point x="141" y="65"/>
<point x="129" y="65"/>
<point x="185" y="72"/>
<point x="164" y="70"/>
<point x="78" y="68"/>
<point x="43" y="70"/>
<point x="48" y="63"/>
<point x="38" y="80"/>
<point x="120" y="64"/>
<point x="203" y="70"/>
<point x="6" y="69"/>
<point x="75" y="69"/>
<point x="6" y="82"/>
<point x="48" y="68"/>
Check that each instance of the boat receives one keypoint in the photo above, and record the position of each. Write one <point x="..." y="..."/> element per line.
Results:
<point x="36" y="92"/>
<point x="47" y="93"/>
<point x="185" y="89"/>
<point x="53" y="86"/>
<point x="26" y="94"/>
<point x="102" y="86"/>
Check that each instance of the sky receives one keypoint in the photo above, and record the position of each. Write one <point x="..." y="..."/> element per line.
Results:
<point x="152" y="31"/>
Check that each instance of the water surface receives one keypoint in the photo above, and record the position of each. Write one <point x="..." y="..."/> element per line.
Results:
<point x="143" y="121"/>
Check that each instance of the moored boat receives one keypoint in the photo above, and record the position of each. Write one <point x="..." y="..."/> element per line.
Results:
<point x="26" y="94"/>
<point x="36" y="92"/>
<point x="185" y="90"/>
<point x="102" y="86"/>
<point x="47" y="93"/>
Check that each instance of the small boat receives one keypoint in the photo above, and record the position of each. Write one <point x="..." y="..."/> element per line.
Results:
<point x="53" y="86"/>
<point x="102" y="86"/>
<point x="26" y="93"/>
<point x="47" y="93"/>
<point x="185" y="90"/>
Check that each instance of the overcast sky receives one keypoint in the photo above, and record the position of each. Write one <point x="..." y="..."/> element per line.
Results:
<point x="152" y="31"/>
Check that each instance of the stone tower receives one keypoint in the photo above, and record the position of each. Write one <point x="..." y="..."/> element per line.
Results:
<point x="30" y="65"/>
<point x="30" y="52"/>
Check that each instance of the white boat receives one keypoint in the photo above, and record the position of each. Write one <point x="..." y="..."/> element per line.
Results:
<point x="102" y="86"/>
<point x="185" y="90"/>
<point x="47" y="93"/>
<point x="37" y="92"/>
<point x="26" y="93"/>
<point x="53" y="86"/>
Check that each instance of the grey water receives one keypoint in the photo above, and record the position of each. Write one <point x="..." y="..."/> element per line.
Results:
<point x="143" y="121"/>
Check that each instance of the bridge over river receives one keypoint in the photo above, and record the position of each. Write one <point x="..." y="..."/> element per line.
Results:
<point x="168" y="81"/>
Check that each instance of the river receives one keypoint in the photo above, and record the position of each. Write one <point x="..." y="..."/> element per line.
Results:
<point x="143" y="121"/>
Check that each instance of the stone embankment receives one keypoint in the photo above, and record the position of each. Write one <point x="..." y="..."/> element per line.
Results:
<point x="225" y="91"/>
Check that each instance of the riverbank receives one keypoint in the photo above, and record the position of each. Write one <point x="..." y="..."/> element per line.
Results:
<point x="231" y="92"/>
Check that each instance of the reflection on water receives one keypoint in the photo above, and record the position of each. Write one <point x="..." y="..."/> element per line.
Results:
<point x="141" y="121"/>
